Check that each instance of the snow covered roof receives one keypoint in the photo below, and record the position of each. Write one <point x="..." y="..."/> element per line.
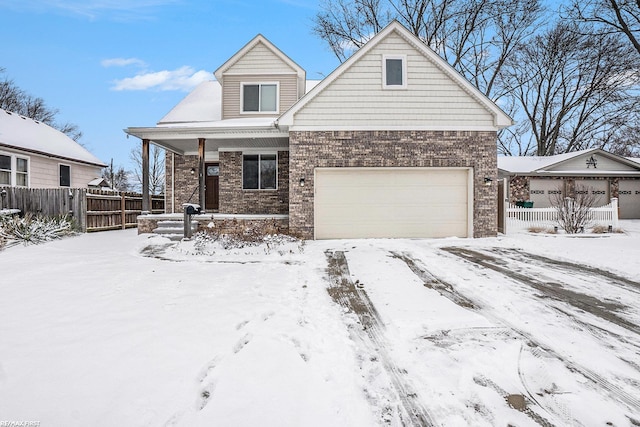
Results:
<point x="22" y="133"/>
<point x="536" y="164"/>
<point x="524" y="164"/>
<point x="202" y="104"/>
<point x="202" y="107"/>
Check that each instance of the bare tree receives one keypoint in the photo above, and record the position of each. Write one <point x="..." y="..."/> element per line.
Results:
<point x="476" y="36"/>
<point x="609" y="16"/>
<point x="576" y="91"/>
<point x="16" y="100"/>
<point x="156" y="169"/>
<point x="118" y="177"/>
<point x="574" y="212"/>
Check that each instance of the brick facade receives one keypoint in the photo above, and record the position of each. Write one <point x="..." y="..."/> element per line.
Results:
<point x="235" y="200"/>
<point x="476" y="150"/>
<point x="185" y="182"/>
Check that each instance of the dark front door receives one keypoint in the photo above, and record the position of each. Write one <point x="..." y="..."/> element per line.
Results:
<point x="211" y="197"/>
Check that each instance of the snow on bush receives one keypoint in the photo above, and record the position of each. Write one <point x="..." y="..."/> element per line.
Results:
<point x="206" y="243"/>
<point x="32" y="229"/>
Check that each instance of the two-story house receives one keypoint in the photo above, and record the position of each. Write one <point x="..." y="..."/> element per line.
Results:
<point x="393" y="143"/>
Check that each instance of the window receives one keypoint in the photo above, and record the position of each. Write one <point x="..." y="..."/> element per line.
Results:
<point x="259" y="171"/>
<point x="394" y="71"/>
<point x="14" y="170"/>
<point x="5" y="170"/>
<point x="22" y="172"/>
<point x="65" y="176"/>
<point x="259" y="97"/>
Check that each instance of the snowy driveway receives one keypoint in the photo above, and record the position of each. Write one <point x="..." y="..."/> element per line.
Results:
<point x="106" y="330"/>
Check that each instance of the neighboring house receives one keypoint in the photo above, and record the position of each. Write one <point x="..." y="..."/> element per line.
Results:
<point x="543" y="179"/>
<point x="35" y="155"/>
<point x="393" y="143"/>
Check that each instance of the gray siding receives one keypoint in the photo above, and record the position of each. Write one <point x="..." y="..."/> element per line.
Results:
<point x="432" y="98"/>
<point x="231" y="93"/>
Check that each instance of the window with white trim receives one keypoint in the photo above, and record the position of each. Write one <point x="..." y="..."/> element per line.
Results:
<point x="14" y="170"/>
<point x="259" y="171"/>
<point x="65" y="176"/>
<point x="260" y="97"/>
<point x="394" y="71"/>
<point x="22" y="172"/>
<point x="5" y="170"/>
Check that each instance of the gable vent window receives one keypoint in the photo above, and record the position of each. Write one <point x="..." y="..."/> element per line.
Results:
<point x="394" y="71"/>
<point x="260" y="98"/>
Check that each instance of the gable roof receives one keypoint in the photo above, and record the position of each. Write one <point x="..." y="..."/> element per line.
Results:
<point x="546" y="164"/>
<point x="242" y="52"/>
<point x="21" y="133"/>
<point x="501" y="119"/>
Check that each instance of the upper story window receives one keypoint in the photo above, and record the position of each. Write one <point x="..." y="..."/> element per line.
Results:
<point x="259" y="98"/>
<point x="65" y="176"/>
<point x="394" y="71"/>
<point x="14" y="170"/>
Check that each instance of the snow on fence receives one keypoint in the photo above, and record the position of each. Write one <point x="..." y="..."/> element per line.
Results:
<point x="521" y="218"/>
<point x="93" y="210"/>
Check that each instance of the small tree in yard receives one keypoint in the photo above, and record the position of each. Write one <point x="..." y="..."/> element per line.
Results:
<point x="574" y="212"/>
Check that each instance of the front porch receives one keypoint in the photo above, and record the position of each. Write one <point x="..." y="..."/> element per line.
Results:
<point x="214" y="222"/>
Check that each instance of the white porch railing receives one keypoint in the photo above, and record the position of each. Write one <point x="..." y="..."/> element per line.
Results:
<point x="519" y="218"/>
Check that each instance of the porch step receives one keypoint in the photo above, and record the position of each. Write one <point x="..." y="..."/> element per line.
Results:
<point x="173" y="229"/>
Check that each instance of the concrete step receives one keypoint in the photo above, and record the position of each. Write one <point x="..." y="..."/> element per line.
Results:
<point x="173" y="229"/>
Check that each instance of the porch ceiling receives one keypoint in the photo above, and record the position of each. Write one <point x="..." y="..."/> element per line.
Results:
<point x="182" y="140"/>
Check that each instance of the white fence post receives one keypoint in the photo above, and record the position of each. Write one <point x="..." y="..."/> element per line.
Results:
<point x="614" y="213"/>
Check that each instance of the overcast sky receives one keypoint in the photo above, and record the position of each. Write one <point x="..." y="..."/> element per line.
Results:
<point x="110" y="64"/>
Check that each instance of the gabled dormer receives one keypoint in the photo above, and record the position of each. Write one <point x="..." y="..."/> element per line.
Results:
<point x="259" y="80"/>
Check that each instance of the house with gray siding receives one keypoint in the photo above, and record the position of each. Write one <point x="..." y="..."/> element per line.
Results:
<point x="393" y="143"/>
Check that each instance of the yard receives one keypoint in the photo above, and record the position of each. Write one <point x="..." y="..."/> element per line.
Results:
<point x="115" y="329"/>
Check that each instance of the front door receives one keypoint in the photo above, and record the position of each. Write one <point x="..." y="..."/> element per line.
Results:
<point x="211" y="198"/>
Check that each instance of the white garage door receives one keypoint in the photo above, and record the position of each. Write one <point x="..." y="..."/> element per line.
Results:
<point x="391" y="202"/>
<point x="629" y="199"/>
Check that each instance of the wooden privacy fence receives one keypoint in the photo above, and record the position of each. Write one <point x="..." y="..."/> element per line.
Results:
<point x="93" y="210"/>
<point x="521" y="218"/>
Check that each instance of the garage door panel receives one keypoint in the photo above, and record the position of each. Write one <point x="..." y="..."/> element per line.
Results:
<point x="629" y="198"/>
<point x="411" y="202"/>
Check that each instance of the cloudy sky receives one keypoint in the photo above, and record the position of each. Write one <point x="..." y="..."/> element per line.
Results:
<point x="110" y="64"/>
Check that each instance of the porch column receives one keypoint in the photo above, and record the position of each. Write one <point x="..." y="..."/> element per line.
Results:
<point x="146" y="209"/>
<point x="201" y="175"/>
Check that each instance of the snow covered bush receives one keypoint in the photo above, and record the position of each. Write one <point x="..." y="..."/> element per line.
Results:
<point x="574" y="212"/>
<point x="206" y="242"/>
<point x="33" y="229"/>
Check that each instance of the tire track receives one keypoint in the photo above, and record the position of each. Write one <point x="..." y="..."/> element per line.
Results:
<point x="597" y="307"/>
<point x="447" y="290"/>
<point x="344" y="292"/>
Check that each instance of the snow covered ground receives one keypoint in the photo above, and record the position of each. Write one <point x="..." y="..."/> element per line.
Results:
<point x="115" y="329"/>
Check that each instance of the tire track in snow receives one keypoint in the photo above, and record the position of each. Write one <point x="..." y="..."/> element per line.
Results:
<point x="618" y="393"/>
<point x="343" y="291"/>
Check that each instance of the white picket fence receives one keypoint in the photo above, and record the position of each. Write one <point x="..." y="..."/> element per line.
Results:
<point x="519" y="218"/>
